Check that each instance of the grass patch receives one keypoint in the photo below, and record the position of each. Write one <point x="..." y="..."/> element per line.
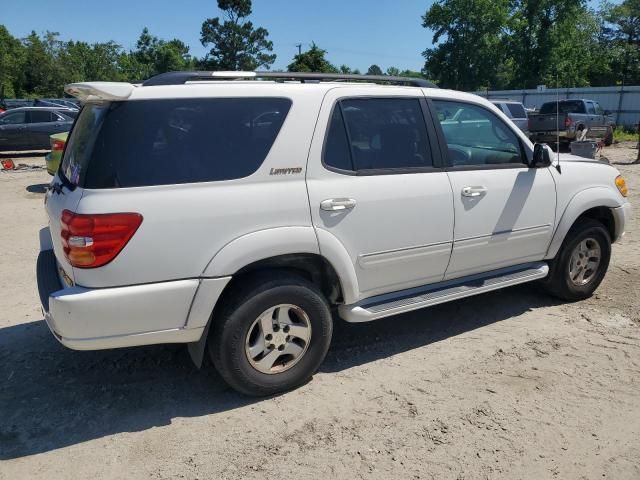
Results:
<point x="620" y="134"/>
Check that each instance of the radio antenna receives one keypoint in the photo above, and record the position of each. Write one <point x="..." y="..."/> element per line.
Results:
<point x="558" y="122"/>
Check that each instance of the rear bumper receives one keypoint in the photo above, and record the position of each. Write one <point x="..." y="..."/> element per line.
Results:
<point x="621" y="216"/>
<point x="93" y="319"/>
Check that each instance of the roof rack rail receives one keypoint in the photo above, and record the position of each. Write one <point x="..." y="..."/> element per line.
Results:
<point x="178" y="78"/>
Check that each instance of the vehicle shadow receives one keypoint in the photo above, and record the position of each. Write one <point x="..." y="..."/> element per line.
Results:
<point x="37" y="188"/>
<point x="52" y="397"/>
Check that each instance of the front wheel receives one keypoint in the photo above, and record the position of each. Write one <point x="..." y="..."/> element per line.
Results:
<point x="271" y="335"/>
<point x="581" y="263"/>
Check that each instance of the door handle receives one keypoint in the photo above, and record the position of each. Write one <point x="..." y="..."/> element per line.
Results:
<point x="473" y="191"/>
<point x="335" y="204"/>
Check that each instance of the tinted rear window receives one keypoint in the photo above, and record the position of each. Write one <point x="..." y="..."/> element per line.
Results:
<point x="377" y="134"/>
<point x="162" y="142"/>
<point x="516" y="110"/>
<point x="566" y="106"/>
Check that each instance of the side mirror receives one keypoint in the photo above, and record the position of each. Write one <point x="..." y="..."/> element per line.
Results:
<point x="541" y="156"/>
<point x="607" y="112"/>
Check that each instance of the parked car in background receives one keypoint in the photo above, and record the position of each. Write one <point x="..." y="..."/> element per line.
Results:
<point x="515" y="111"/>
<point x="58" y="141"/>
<point x="29" y="128"/>
<point x="567" y="118"/>
<point x="56" y="102"/>
<point x="17" y="103"/>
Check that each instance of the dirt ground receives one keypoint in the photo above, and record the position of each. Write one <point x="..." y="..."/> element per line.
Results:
<point x="510" y="384"/>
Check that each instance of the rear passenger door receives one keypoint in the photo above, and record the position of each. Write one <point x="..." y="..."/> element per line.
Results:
<point x="377" y="190"/>
<point x="504" y="210"/>
<point x="42" y="124"/>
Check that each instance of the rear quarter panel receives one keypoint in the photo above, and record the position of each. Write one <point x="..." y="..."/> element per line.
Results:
<point x="185" y="226"/>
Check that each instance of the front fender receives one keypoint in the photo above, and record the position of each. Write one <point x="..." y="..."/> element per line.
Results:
<point x="580" y="203"/>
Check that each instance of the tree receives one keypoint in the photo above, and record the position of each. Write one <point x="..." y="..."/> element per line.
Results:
<point x="469" y="37"/>
<point x="551" y="37"/>
<point x="153" y="56"/>
<point x="235" y="43"/>
<point x="11" y="59"/>
<point x="40" y="70"/>
<point x="620" y="34"/>
<point x="313" y="60"/>
<point x="393" y="71"/>
<point x="374" y="70"/>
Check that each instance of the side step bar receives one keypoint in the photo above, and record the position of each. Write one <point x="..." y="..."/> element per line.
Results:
<point x="415" y="298"/>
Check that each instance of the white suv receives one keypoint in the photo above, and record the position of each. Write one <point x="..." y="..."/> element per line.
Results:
<point x="233" y="211"/>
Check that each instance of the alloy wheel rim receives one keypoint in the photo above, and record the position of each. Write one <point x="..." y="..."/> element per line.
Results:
<point x="278" y="339"/>
<point x="584" y="262"/>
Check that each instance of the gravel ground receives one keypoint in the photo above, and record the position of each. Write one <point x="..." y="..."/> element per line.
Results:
<point x="511" y="384"/>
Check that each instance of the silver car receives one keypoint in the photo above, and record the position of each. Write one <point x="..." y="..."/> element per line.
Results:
<point x="516" y="112"/>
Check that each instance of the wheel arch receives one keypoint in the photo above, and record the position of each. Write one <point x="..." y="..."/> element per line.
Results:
<point x="289" y="249"/>
<point x="595" y="203"/>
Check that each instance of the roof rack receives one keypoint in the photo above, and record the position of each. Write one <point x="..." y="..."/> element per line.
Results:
<point x="178" y="78"/>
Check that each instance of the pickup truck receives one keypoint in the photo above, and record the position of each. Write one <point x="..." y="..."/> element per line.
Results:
<point x="575" y="116"/>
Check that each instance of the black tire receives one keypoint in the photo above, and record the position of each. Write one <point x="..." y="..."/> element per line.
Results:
<point x="242" y="306"/>
<point x="608" y="139"/>
<point x="558" y="283"/>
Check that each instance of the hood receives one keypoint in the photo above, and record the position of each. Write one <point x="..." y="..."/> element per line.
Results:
<point x="568" y="157"/>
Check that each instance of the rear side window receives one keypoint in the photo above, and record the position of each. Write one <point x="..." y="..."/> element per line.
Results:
<point x="516" y="110"/>
<point x="40" y="116"/>
<point x="377" y="134"/>
<point x="162" y="142"/>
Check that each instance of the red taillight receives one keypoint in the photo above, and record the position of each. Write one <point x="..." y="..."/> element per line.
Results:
<point x="57" y="145"/>
<point x="568" y="122"/>
<point x="92" y="241"/>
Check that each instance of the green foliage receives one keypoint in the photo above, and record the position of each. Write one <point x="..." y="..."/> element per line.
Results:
<point x="621" y="38"/>
<point x="153" y="56"/>
<point x="235" y="43"/>
<point x="11" y="60"/>
<point x="504" y="44"/>
<point x="469" y="37"/>
<point x="313" y="60"/>
<point x="374" y="70"/>
<point x="621" y="134"/>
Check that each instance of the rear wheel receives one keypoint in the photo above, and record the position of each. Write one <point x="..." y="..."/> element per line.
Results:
<point x="608" y="139"/>
<point x="581" y="263"/>
<point x="271" y="335"/>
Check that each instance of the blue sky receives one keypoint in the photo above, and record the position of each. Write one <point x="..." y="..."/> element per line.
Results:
<point x="354" y="32"/>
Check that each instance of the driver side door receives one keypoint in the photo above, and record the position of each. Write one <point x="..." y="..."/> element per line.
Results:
<point x="504" y="210"/>
<point x="13" y="130"/>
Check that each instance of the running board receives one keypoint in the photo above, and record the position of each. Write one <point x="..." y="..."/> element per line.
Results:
<point x="415" y="298"/>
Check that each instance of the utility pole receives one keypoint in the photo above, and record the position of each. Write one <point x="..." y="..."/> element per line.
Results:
<point x="299" y="45"/>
